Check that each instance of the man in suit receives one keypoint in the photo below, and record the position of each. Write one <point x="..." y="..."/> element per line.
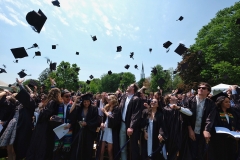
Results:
<point x="201" y="122"/>
<point x="130" y="107"/>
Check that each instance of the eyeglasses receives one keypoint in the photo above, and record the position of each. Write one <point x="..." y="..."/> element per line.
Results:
<point x="153" y="101"/>
<point x="203" y="88"/>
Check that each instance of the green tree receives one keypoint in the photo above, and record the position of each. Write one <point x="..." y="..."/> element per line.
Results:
<point x="127" y="79"/>
<point x="214" y="57"/>
<point x="94" y="86"/>
<point x="140" y="82"/>
<point x="66" y="76"/>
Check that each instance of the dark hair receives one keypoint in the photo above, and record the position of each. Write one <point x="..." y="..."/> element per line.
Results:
<point x="220" y="100"/>
<point x="135" y="87"/>
<point x="167" y="99"/>
<point x="63" y="92"/>
<point x="205" y="84"/>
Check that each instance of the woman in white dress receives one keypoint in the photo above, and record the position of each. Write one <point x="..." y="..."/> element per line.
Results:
<point x="110" y="127"/>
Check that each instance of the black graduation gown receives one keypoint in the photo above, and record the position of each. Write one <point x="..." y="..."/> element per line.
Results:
<point x="158" y="125"/>
<point x="223" y="146"/>
<point x="114" y="122"/>
<point x="42" y="142"/>
<point x="176" y="134"/>
<point x="83" y="148"/>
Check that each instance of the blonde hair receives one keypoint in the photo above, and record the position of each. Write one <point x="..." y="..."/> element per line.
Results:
<point x="54" y="94"/>
<point x="114" y="100"/>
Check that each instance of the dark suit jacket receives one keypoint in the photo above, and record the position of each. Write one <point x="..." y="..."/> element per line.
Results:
<point x="133" y="114"/>
<point x="207" y="117"/>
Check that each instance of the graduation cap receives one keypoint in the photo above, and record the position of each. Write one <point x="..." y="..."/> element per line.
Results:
<point x="53" y="66"/>
<point x="9" y="85"/>
<point x="32" y="83"/>
<point x="88" y="82"/>
<point x="54" y="46"/>
<point x="15" y="61"/>
<point x="35" y="45"/>
<point x="91" y="77"/>
<point x="22" y="74"/>
<point x="94" y="38"/>
<point x="110" y="72"/>
<point x="127" y="66"/>
<point x="2" y="70"/>
<point x="131" y="55"/>
<point x="77" y="53"/>
<point x="150" y="50"/>
<point x="174" y="72"/>
<point x="180" y="91"/>
<point x="36" y="20"/>
<point x="19" y="52"/>
<point x="161" y="82"/>
<point x="215" y="97"/>
<point x="86" y="97"/>
<point x="167" y="44"/>
<point x="136" y="66"/>
<point x="238" y="21"/>
<point x="180" y="49"/>
<point x="56" y="3"/>
<point x="154" y="70"/>
<point x="38" y="53"/>
<point x="164" y="70"/>
<point x="23" y="97"/>
<point x="180" y="18"/>
<point x="4" y="65"/>
<point x="119" y="48"/>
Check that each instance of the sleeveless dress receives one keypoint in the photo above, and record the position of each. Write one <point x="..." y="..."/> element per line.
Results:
<point x="107" y="136"/>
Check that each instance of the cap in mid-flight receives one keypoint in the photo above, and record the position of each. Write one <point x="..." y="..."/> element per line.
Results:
<point x="56" y="3"/>
<point x="119" y="48"/>
<point x="127" y="66"/>
<point x="36" y="20"/>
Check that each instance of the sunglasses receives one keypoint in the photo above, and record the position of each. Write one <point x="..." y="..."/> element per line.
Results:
<point x="153" y="101"/>
<point x="203" y="88"/>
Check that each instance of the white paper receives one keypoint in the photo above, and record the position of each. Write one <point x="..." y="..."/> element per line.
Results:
<point x="227" y="131"/>
<point x="1" y="127"/>
<point x="60" y="131"/>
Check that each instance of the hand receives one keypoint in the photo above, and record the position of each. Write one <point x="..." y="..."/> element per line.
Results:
<point x="174" y="106"/>
<point x="103" y="110"/>
<point x="83" y="124"/>
<point x="67" y="126"/>
<point x="175" y="91"/>
<point x="146" y="135"/>
<point x="160" y="138"/>
<point x="146" y="105"/>
<point x="129" y="131"/>
<point x="102" y="126"/>
<point x="191" y="134"/>
<point x="207" y="136"/>
<point x="1" y="122"/>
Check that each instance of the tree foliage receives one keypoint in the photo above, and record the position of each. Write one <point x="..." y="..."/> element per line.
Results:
<point x="44" y="75"/>
<point x="214" y="58"/>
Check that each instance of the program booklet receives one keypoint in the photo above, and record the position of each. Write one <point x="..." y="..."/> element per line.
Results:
<point x="227" y="131"/>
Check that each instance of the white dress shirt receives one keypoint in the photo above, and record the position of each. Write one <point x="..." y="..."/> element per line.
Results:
<point x="129" y="97"/>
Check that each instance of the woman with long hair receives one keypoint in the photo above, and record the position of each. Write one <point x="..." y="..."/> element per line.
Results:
<point x="110" y="128"/>
<point x="223" y="146"/>
<point x="42" y="143"/>
<point x="152" y="124"/>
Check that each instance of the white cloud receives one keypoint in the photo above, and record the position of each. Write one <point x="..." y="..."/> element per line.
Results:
<point x="36" y="2"/>
<point x="117" y="28"/>
<point x="10" y="9"/>
<point x="109" y="33"/>
<point x="117" y="56"/>
<point x="6" y="20"/>
<point x="136" y="28"/>
<point x="18" y="20"/>
<point x="63" y="20"/>
<point x="17" y="4"/>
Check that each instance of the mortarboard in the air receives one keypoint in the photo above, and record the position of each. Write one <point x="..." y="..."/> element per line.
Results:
<point x="167" y="44"/>
<point x="2" y="70"/>
<point x="161" y="82"/>
<point x="164" y="70"/>
<point x="53" y="66"/>
<point x="36" y="20"/>
<point x="86" y="97"/>
<point x="56" y="3"/>
<point x="91" y="77"/>
<point x="127" y="66"/>
<point x="136" y="66"/>
<point x="19" y="52"/>
<point x="238" y="21"/>
<point x="35" y="45"/>
<point x="131" y="55"/>
<point x="154" y="70"/>
<point x="38" y="53"/>
<point x="214" y="98"/>
<point x="9" y="85"/>
<point x="110" y="72"/>
<point x="32" y="83"/>
<point x="150" y="50"/>
<point x="88" y="82"/>
<point x="119" y="48"/>
<point x="15" y="61"/>
<point x="180" y="49"/>
<point x="54" y="46"/>
<point x="174" y="72"/>
<point x="180" y="18"/>
<point x="77" y="53"/>
<point x="22" y="74"/>
<point x="94" y="38"/>
<point x="23" y="97"/>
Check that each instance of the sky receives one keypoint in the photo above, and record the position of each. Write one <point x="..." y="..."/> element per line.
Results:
<point x="136" y="25"/>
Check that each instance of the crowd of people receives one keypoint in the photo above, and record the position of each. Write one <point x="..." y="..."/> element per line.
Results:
<point x="126" y="125"/>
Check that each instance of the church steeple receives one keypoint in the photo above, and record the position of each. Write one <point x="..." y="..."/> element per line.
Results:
<point x="142" y="72"/>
